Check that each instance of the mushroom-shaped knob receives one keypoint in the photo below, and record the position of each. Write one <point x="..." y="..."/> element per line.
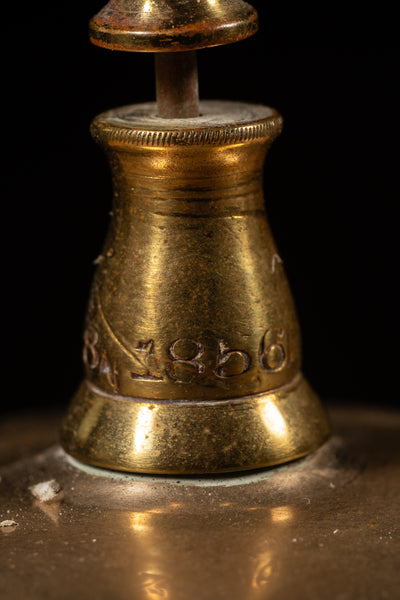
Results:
<point x="171" y="25"/>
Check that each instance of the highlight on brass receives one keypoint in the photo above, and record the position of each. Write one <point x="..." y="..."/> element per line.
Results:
<point x="191" y="346"/>
<point x="164" y="26"/>
<point x="163" y="569"/>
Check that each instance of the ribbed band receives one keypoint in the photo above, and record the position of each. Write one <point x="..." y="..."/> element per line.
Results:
<point x="220" y="123"/>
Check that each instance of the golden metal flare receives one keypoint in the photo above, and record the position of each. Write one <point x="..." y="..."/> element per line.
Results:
<point x="191" y="345"/>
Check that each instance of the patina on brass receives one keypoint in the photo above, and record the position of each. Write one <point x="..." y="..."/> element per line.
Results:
<point x="191" y="344"/>
<point x="173" y="31"/>
<point x="165" y="26"/>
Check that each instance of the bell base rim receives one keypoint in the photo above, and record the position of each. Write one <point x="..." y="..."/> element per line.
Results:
<point x="168" y="438"/>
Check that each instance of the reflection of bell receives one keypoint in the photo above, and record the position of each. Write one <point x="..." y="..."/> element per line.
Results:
<point x="191" y="344"/>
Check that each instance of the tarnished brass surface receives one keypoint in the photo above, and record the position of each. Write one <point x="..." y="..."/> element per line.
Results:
<point x="192" y="345"/>
<point x="326" y="526"/>
<point x="190" y="300"/>
<point x="164" y="26"/>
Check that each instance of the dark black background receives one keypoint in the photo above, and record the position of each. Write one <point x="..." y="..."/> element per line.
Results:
<point x="330" y="185"/>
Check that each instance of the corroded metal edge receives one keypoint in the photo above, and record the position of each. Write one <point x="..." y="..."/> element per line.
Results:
<point x="191" y="26"/>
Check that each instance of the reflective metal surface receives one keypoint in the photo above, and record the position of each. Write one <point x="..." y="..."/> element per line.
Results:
<point x="191" y="345"/>
<point x="194" y="437"/>
<point x="326" y="526"/>
<point x="164" y="26"/>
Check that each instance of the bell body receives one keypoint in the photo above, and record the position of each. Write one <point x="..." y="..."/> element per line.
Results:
<point x="191" y="344"/>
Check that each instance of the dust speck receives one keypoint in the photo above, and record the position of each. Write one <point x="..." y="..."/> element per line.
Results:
<point x="8" y="523"/>
<point x="276" y="259"/>
<point x="47" y="491"/>
<point x="98" y="260"/>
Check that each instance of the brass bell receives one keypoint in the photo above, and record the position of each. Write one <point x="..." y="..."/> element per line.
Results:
<point x="191" y="344"/>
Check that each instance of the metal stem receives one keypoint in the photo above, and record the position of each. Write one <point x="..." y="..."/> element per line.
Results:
<point x="177" y="85"/>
